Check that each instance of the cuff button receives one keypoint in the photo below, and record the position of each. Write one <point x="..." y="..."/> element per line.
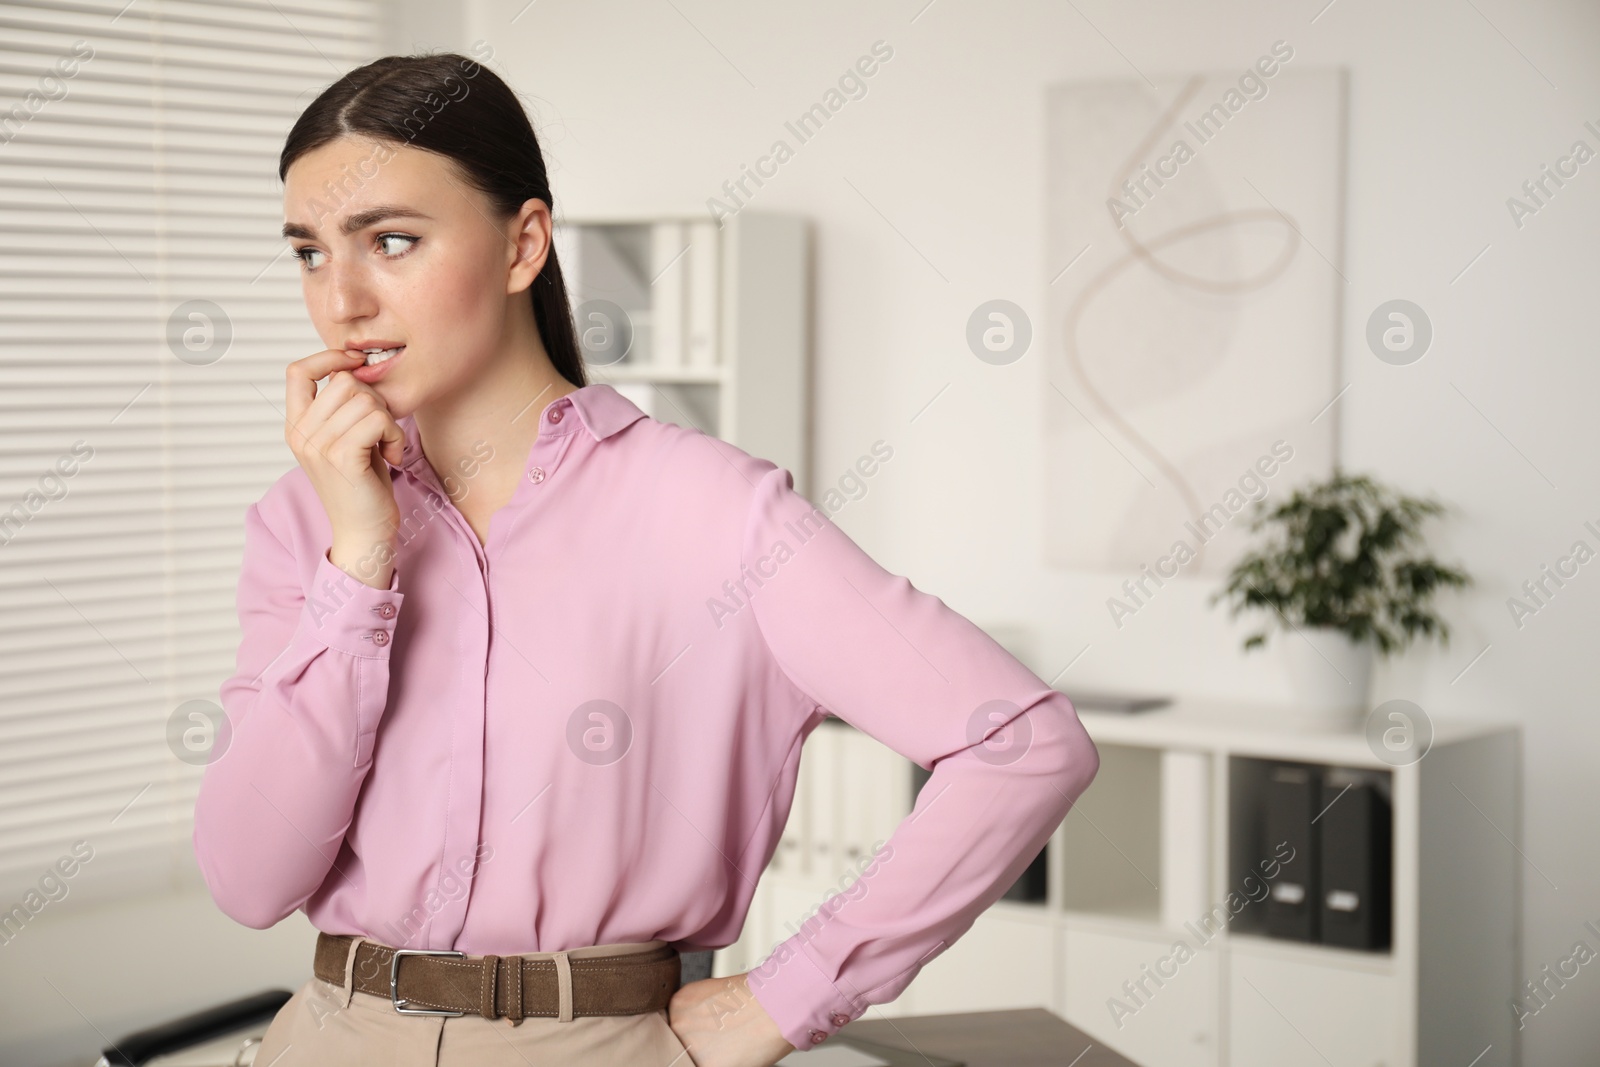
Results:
<point x="817" y="1037"/>
<point x="839" y="1018"/>
<point x="385" y="611"/>
<point x="380" y="637"/>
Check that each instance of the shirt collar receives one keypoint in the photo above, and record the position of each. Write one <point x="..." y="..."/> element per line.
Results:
<point x="602" y="411"/>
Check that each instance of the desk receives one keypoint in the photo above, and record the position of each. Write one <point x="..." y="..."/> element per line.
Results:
<point x="1026" y="1037"/>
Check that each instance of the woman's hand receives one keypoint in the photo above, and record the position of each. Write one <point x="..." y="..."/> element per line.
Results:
<point x="341" y="437"/>
<point x="722" y="1024"/>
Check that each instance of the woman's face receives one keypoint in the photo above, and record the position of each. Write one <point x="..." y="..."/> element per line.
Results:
<point x="396" y="249"/>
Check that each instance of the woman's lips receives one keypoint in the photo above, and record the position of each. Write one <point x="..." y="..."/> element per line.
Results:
<point x="376" y="371"/>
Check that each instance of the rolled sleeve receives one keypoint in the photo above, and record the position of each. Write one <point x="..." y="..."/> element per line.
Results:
<point x="1008" y="754"/>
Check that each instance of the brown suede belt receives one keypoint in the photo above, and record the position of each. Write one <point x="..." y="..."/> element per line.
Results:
<point x="435" y="982"/>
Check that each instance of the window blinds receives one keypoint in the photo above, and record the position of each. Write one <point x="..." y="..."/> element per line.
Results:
<point x="147" y="310"/>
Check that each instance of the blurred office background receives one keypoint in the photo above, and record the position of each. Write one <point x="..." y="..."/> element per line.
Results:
<point x="1402" y="153"/>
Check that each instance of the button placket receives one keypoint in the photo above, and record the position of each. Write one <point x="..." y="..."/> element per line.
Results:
<point x="547" y="455"/>
<point x="549" y="452"/>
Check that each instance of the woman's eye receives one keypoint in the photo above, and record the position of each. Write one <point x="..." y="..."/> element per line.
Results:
<point x="388" y="250"/>
<point x="304" y="255"/>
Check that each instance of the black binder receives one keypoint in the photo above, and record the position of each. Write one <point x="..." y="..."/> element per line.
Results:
<point x="1291" y="799"/>
<point x="1355" y="835"/>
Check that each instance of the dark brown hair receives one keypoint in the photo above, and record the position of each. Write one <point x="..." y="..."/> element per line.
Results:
<point x="452" y="105"/>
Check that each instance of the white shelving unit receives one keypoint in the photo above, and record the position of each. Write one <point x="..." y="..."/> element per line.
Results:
<point x="699" y="325"/>
<point x="1167" y="830"/>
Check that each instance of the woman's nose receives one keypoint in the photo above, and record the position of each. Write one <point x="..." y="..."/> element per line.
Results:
<point x="350" y="293"/>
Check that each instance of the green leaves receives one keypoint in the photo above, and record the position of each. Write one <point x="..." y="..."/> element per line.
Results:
<point x="1340" y="553"/>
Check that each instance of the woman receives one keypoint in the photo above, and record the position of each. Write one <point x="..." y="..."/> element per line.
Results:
<point x="525" y="673"/>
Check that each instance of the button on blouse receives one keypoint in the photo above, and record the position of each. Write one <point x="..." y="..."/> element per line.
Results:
<point x="587" y="728"/>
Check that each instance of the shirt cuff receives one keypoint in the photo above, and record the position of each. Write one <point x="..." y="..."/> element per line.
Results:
<point x="795" y="991"/>
<point x="348" y="615"/>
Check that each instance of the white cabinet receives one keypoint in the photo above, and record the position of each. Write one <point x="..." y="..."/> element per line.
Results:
<point x="1009" y="945"/>
<point x="700" y="325"/>
<point x="1133" y="993"/>
<point x="1291" y="1013"/>
<point x="1160" y="850"/>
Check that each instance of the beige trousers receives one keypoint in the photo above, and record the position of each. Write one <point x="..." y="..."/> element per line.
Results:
<point x="326" y="1025"/>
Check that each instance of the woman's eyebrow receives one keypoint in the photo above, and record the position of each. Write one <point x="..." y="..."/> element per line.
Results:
<point x="359" y="221"/>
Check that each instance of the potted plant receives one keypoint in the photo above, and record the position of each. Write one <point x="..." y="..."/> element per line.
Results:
<point x="1339" y="571"/>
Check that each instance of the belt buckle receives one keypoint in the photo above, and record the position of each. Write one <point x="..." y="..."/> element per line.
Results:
<point x="394" y="980"/>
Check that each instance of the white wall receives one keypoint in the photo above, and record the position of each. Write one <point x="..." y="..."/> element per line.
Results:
<point x="649" y="107"/>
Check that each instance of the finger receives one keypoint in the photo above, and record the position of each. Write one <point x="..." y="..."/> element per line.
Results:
<point x="391" y="442"/>
<point x="302" y="375"/>
<point x="312" y="428"/>
<point x="371" y="429"/>
<point x="307" y="431"/>
<point x="355" y="431"/>
<point x="393" y="445"/>
<point x="344" y="411"/>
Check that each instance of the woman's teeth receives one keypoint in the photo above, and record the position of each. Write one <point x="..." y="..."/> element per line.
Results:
<point x="378" y="355"/>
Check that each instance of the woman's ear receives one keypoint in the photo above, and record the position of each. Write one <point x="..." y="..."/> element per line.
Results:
<point x="530" y="235"/>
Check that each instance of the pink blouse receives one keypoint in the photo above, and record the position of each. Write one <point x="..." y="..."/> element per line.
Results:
<point x="588" y="730"/>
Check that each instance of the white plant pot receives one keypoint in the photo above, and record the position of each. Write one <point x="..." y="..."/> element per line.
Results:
<point x="1329" y="674"/>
